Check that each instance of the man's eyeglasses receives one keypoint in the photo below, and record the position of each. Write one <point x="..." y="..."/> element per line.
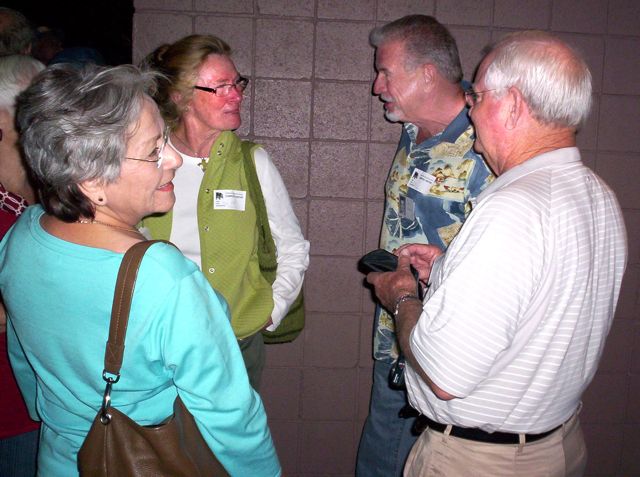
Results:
<point x="224" y="89"/>
<point x="157" y="153"/>
<point x="474" y="97"/>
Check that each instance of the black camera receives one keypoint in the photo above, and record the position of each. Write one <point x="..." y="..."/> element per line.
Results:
<point x="381" y="260"/>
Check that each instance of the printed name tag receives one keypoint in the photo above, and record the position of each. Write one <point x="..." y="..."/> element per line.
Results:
<point x="229" y="199"/>
<point x="421" y="181"/>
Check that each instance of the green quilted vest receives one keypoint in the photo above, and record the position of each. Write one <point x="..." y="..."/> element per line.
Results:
<point x="228" y="239"/>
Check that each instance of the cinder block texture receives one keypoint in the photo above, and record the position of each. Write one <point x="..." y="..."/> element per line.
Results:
<point x="150" y="30"/>
<point x="225" y="6"/>
<point x="282" y="108"/>
<point x="464" y="12"/>
<point x="619" y="116"/>
<point x="292" y="160"/>
<point x="351" y="10"/>
<point x="237" y="32"/>
<point x="285" y="8"/>
<point x="583" y="16"/>
<point x="336" y="227"/>
<point x="177" y="5"/>
<point x="284" y="48"/>
<point x="338" y="169"/>
<point x="340" y="111"/>
<point x="623" y="17"/>
<point x="343" y="51"/>
<point x="622" y="66"/>
<point x="389" y="10"/>
<point x="532" y="14"/>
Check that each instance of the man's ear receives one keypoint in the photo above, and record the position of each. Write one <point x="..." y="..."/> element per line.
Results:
<point x="516" y="107"/>
<point x="428" y="75"/>
<point x="95" y="191"/>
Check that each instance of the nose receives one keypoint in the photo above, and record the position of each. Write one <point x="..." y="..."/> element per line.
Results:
<point x="235" y="95"/>
<point x="379" y="85"/>
<point x="171" y="158"/>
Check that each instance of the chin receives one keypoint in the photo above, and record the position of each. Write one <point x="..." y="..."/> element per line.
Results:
<point x="166" y="205"/>
<point x="392" y="116"/>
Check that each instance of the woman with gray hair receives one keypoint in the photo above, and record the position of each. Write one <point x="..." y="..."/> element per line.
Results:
<point x="16" y="72"/>
<point x="96" y="144"/>
<point x="18" y="433"/>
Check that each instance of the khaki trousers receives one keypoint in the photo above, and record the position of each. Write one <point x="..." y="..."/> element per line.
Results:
<point x="560" y="454"/>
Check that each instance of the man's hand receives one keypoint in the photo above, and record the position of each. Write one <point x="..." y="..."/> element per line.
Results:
<point x="389" y="286"/>
<point x="421" y="257"/>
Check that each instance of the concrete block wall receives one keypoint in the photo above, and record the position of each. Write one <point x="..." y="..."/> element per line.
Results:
<point x="310" y="104"/>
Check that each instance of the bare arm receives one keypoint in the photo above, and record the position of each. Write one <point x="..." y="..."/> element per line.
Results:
<point x="406" y="319"/>
<point x="390" y="286"/>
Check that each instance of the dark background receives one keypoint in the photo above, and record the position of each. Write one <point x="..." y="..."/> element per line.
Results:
<point x="101" y="24"/>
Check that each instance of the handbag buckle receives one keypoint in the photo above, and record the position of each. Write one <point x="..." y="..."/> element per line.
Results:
<point x="105" y="417"/>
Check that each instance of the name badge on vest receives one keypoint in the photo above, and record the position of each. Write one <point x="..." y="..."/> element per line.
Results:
<point x="421" y="181"/>
<point x="229" y="199"/>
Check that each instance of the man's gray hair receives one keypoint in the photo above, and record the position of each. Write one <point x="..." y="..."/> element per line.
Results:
<point x="75" y="124"/>
<point x="16" y="72"/>
<point x="16" y="33"/>
<point x="553" y="78"/>
<point x="425" y="41"/>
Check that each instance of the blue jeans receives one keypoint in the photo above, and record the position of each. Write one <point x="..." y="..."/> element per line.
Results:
<point x="18" y="455"/>
<point x="386" y="438"/>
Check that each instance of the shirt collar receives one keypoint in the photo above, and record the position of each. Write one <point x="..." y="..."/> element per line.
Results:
<point x="450" y="134"/>
<point x="565" y="155"/>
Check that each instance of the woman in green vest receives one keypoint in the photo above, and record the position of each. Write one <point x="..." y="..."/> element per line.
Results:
<point x="215" y="219"/>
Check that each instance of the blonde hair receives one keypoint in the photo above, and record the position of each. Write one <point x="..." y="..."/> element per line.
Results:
<point x="179" y="63"/>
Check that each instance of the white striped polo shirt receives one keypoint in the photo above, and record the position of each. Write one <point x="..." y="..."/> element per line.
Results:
<point x="519" y="307"/>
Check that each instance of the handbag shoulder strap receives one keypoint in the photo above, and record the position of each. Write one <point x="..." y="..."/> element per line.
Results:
<point x="266" y="245"/>
<point x="125" y="284"/>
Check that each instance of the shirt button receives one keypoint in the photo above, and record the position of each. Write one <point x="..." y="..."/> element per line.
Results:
<point x="212" y="270"/>
<point x="207" y="191"/>
<point x="206" y="228"/>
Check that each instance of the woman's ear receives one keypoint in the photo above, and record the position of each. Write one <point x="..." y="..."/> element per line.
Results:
<point x="94" y="190"/>
<point x="179" y="101"/>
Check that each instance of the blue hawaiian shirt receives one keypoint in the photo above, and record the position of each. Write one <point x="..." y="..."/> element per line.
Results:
<point x="429" y="193"/>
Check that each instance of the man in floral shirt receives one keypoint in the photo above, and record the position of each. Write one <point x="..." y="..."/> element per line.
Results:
<point x="433" y="181"/>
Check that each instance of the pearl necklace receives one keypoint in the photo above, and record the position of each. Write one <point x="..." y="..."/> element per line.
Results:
<point x="95" y="221"/>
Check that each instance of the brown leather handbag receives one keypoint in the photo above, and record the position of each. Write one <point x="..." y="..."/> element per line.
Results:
<point x="118" y="446"/>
